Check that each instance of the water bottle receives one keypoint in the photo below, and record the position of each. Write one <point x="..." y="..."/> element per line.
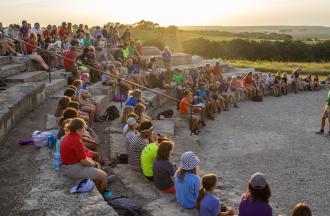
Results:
<point x="51" y="141"/>
<point x="57" y="161"/>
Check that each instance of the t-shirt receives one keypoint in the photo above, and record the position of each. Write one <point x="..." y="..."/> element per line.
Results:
<point x="167" y="56"/>
<point x="24" y="31"/>
<point x="247" y="80"/>
<point x="209" y="206"/>
<point x="30" y="46"/>
<point x="125" y="53"/>
<point x="178" y="78"/>
<point x="148" y="156"/>
<point x="184" y="108"/>
<point x="249" y="207"/>
<point x="137" y="144"/>
<point x="131" y="101"/>
<point x="69" y="64"/>
<point x="187" y="191"/>
<point x="128" y="138"/>
<point x="163" y="170"/>
<point x="87" y="42"/>
<point x="201" y="93"/>
<point x="72" y="149"/>
<point x="63" y="32"/>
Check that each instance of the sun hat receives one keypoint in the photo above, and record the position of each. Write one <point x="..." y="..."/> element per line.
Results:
<point x="189" y="161"/>
<point x="258" y="181"/>
<point x="131" y="121"/>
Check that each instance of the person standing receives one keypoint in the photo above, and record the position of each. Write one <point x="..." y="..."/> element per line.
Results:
<point x="325" y="115"/>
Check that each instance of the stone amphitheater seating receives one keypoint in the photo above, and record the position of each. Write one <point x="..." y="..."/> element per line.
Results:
<point x="25" y="91"/>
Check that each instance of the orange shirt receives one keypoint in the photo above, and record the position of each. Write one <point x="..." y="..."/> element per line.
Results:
<point x="184" y="108"/>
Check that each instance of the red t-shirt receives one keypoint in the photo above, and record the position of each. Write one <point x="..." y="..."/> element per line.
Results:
<point x="70" y="55"/>
<point x="72" y="149"/>
<point x="29" y="47"/>
<point x="63" y="32"/>
<point x="248" y="80"/>
<point x="217" y="69"/>
<point x="46" y="33"/>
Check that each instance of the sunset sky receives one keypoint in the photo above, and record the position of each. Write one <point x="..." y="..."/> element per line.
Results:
<point x="169" y="12"/>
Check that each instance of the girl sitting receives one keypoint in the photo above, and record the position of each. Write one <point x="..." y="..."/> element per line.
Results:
<point x="255" y="202"/>
<point x="277" y="86"/>
<point x="61" y="106"/>
<point x="207" y="203"/>
<point x="163" y="169"/>
<point x="301" y="209"/>
<point x="187" y="182"/>
<point x="284" y="83"/>
<point x="139" y="111"/>
<point x="316" y="83"/>
<point x="32" y="51"/>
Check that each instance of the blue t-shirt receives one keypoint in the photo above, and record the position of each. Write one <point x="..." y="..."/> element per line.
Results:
<point x="187" y="191"/>
<point x="201" y="93"/>
<point x="131" y="102"/>
<point x="209" y="206"/>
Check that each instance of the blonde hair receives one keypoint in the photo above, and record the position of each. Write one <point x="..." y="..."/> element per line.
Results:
<point x="126" y="112"/>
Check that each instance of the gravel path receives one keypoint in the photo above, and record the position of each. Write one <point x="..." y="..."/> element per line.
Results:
<point x="275" y="137"/>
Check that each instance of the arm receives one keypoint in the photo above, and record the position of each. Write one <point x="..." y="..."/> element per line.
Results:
<point x="88" y="162"/>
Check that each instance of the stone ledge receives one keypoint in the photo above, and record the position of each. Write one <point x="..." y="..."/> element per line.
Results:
<point x="28" y="77"/>
<point x="5" y="60"/>
<point x="18" y="101"/>
<point x="11" y="69"/>
<point x="51" y="193"/>
<point x="100" y="89"/>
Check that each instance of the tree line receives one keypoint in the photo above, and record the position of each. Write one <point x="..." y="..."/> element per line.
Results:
<point x="288" y="50"/>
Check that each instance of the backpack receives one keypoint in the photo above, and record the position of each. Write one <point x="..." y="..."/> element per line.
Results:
<point x="111" y="113"/>
<point x="125" y="206"/>
<point x="166" y="114"/>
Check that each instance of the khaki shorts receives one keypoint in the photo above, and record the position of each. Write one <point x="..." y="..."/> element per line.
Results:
<point x="78" y="171"/>
<point x="326" y="112"/>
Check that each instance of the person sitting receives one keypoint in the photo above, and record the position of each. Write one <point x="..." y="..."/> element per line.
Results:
<point x="207" y="203"/>
<point x="284" y="83"/>
<point x="32" y="51"/>
<point x="62" y="105"/>
<point x="139" y="110"/>
<point x="70" y="56"/>
<point x="148" y="157"/>
<point x="135" y="98"/>
<point x="269" y="80"/>
<point x="208" y="103"/>
<point x="126" y="112"/>
<point x="277" y="86"/>
<point x="137" y="144"/>
<point x="255" y="202"/>
<point x="88" y="41"/>
<point x="301" y="209"/>
<point x="308" y="83"/>
<point x="316" y="83"/>
<point x="163" y="168"/>
<point x="131" y="131"/>
<point x="69" y="92"/>
<point x="186" y="114"/>
<point x="247" y="82"/>
<point x="76" y="164"/>
<point x="187" y="182"/>
<point x="295" y="79"/>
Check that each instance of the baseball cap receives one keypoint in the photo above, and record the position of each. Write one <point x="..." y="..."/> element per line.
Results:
<point x="131" y="121"/>
<point x="258" y="181"/>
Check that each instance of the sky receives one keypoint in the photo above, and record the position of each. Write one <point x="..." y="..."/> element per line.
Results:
<point x="169" y="12"/>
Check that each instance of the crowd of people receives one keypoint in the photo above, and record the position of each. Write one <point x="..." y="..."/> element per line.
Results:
<point x="117" y="61"/>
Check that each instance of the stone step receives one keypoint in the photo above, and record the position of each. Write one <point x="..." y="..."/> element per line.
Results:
<point x="55" y="85"/>
<point x="181" y="59"/>
<point x="100" y="89"/>
<point x="17" y="101"/>
<point x="28" y="77"/>
<point x="102" y="99"/>
<point x="150" y="51"/>
<point x="164" y="127"/>
<point x="11" y="69"/>
<point x="59" y="74"/>
<point x="5" y="60"/>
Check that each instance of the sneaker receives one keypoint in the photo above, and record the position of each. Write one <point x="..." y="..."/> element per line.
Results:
<point x="320" y="132"/>
<point x="107" y="195"/>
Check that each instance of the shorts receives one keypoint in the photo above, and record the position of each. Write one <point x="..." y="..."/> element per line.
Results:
<point x="326" y="112"/>
<point x="78" y="171"/>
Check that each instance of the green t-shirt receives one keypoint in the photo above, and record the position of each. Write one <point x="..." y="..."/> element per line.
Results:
<point x="329" y="98"/>
<point x="87" y="42"/>
<point x="148" y="156"/>
<point x="131" y="51"/>
<point x="178" y="78"/>
<point x="125" y="53"/>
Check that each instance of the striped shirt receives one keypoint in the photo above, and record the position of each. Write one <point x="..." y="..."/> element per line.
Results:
<point x="137" y="144"/>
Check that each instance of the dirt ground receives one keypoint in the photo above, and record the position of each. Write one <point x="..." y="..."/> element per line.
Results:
<point x="18" y="165"/>
<point x="277" y="138"/>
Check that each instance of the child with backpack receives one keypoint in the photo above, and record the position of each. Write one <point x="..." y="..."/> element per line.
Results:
<point x="207" y="203"/>
<point x="187" y="182"/>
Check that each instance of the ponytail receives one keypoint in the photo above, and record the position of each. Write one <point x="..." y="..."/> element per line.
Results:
<point x="208" y="182"/>
<point x="200" y="197"/>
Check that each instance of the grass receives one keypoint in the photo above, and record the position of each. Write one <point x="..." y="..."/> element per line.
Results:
<point x="272" y="66"/>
